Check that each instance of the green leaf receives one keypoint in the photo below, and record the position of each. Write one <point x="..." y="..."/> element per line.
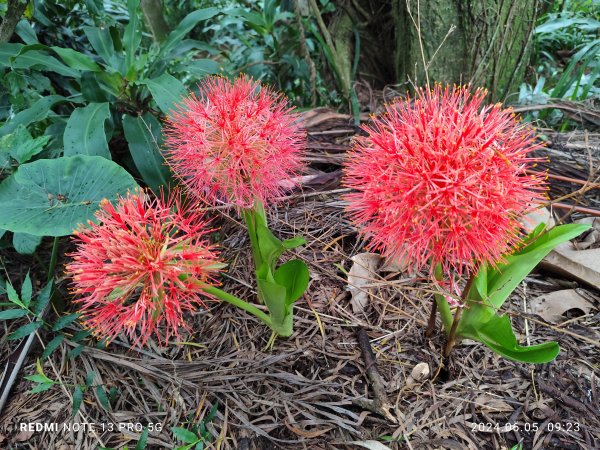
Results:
<point x="103" y="44"/>
<point x="269" y="246"/>
<point x="166" y="90"/>
<point x="143" y="441"/>
<point x="26" y="32"/>
<point x="91" y="89"/>
<point x="24" y="331"/>
<point x="145" y="139"/>
<point x="133" y="35"/>
<point x="13" y="297"/>
<point x="26" y="290"/>
<point x="38" y="378"/>
<point x="201" y="67"/>
<point x="294" y="276"/>
<point x="25" y="244"/>
<point x="38" y="111"/>
<point x="74" y="353"/>
<point x="28" y="59"/>
<point x="65" y="321"/>
<point x="184" y="435"/>
<point x="294" y="242"/>
<point x="52" y="345"/>
<point x="502" y="280"/>
<point x="12" y="314"/>
<point x="102" y="397"/>
<point x="21" y="146"/>
<point x="89" y="378"/>
<point x="85" y="134"/>
<point x="51" y="197"/>
<point x="184" y="27"/>
<point x="77" y="399"/>
<point x="42" y="299"/>
<point x="274" y="296"/>
<point x="41" y="387"/>
<point x="76" y="60"/>
<point x="80" y="335"/>
<point x="9" y="51"/>
<point x="497" y="334"/>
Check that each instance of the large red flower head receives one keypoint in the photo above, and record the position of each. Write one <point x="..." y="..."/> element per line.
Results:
<point x="235" y="143"/>
<point x="142" y="267"/>
<point x="442" y="180"/>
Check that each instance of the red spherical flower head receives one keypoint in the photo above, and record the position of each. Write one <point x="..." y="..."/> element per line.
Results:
<point x="442" y="180"/>
<point x="235" y="143"/>
<point x="142" y="267"/>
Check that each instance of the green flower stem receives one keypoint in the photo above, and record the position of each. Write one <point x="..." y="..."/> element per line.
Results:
<point x="442" y="304"/>
<point x="239" y="303"/>
<point x="458" y="314"/>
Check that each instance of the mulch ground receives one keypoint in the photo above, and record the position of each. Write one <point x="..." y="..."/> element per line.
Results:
<point x="301" y="392"/>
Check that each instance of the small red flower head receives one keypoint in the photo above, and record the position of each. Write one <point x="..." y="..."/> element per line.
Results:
<point x="141" y="267"/>
<point x="235" y="143"/>
<point x="442" y="180"/>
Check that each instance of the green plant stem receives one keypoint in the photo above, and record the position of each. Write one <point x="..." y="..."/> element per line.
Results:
<point x="442" y="304"/>
<point x="239" y="303"/>
<point x="458" y="314"/>
<point x="53" y="259"/>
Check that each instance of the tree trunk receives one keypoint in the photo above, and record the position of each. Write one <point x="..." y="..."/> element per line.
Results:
<point x="14" y="11"/>
<point x="155" y="19"/>
<point x="489" y="44"/>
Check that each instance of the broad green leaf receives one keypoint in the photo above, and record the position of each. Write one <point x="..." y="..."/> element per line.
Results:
<point x="38" y="111"/>
<point x="502" y="280"/>
<point x="52" y="345"/>
<point x="65" y="321"/>
<point x="144" y="137"/>
<point x="274" y="296"/>
<point x="269" y="246"/>
<point x="9" y="314"/>
<point x="184" y="435"/>
<point x="85" y="134"/>
<point x="41" y="60"/>
<point x="26" y="290"/>
<point x="77" y="399"/>
<point x="91" y="89"/>
<point x="294" y="276"/>
<point x="24" y="331"/>
<point x="498" y="335"/>
<point x="166" y="90"/>
<point x="201" y="67"/>
<point x="42" y="299"/>
<point x="184" y="27"/>
<point x="25" y="243"/>
<point x="20" y="146"/>
<point x="133" y="35"/>
<point x="76" y="60"/>
<point x="582" y="23"/>
<point x="26" y="32"/>
<point x="8" y="51"/>
<point x="102" y="43"/>
<point x="89" y="378"/>
<point x="51" y="197"/>
<point x="80" y="335"/>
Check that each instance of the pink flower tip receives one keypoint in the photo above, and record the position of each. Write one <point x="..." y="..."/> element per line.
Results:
<point x="142" y="267"/>
<point x="234" y="143"/>
<point x="441" y="179"/>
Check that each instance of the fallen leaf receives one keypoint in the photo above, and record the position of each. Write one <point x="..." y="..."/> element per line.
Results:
<point x="552" y="306"/>
<point x="362" y="273"/>
<point x="584" y="265"/>
<point x="592" y="238"/>
<point x="307" y="434"/>
<point x="23" y="436"/>
<point x="488" y="403"/>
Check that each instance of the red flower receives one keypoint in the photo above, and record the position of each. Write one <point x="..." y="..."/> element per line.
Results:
<point x="141" y="267"/>
<point x="235" y="143"/>
<point x="442" y="180"/>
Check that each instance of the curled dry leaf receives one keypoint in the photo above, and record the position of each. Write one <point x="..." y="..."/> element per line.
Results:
<point x="362" y="273"/>
<point x="552" y="306"/>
